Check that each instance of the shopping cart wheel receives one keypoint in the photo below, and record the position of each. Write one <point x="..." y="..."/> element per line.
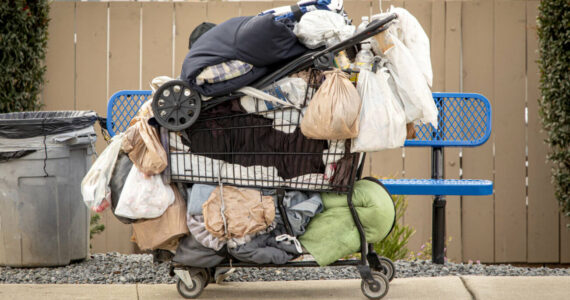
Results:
<point x="379" y="289"/>
<point x="388" y="268"/>
<point x="175" y="105"/>
<point x="193" y="292"/>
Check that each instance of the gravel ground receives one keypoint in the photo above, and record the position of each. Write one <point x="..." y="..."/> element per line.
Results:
<point x="140" y="268"/>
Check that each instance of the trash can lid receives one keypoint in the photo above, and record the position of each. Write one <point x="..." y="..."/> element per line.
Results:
<point x="28" y="124"/>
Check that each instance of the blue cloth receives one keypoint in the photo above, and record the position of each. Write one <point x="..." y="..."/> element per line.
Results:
<point x="198" y="195"/>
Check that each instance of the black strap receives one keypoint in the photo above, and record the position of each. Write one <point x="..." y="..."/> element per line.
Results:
<point x="297" y="13"/>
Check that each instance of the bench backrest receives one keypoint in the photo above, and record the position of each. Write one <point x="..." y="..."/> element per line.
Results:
<point x="122" y="107"/>
<point x="464" y="119"/>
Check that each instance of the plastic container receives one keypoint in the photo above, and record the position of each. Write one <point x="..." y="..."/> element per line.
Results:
<point x="364" y="58"/>
<point x="364" y="22"/>
<point x="43" y="220"/>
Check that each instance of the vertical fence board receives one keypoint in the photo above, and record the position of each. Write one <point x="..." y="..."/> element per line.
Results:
<point x="124" y="73"/>
<point x="218" y="12"/>
<point x="91" y="77"/>
<point x="437" y="45"/>
<point x="417" y="162"/>
<point x="478" y="211"/>
<point x="254" y="7"/>
<point x="510" y="202"/>
<point x="453" y="84"/>
<point x="543" y="214"/>
<point x="356" y="9"/>
<point x="564" y="240"/>
<point x="58" y="92"/>
<point x="156" y="41"/>
<point x="91" y="60"/>
<point x="188" y="15"/>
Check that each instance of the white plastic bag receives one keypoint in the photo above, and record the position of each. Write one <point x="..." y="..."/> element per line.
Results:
<point x="144" y="197"/>
<point x="411" y="86"/>
<point x="382" y="119"/>
<point x="409" y="31"/>
<point x="319" y="27"/>
<point x="95" y="184"/>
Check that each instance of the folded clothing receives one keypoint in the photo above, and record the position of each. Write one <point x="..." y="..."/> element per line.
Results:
<point x="300" y="208"/>
<point x="240" y="38"/>
<point x="198" y="195"/>
<point x="332" y="234"/>
<point x="193" y="254"/>
<point x="266" y="249"/>
<point x="202" y="236"/>
<point x="223" y="72"/>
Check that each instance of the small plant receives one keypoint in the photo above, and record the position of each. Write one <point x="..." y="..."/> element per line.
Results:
<point x="395" y="245"/>
<point x="95" y="227"/>
<point x="425" y="251"/>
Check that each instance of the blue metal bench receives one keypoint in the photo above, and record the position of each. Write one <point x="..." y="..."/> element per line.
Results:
<point x="464" y="120"/>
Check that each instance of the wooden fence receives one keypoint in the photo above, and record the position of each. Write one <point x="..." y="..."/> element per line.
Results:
<point x="486" y="46"/>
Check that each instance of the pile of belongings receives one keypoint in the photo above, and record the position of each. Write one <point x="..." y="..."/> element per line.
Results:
<point x="358" y="106"/>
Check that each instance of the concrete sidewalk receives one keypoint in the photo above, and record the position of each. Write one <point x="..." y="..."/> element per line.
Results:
<point x="452" y="287"/>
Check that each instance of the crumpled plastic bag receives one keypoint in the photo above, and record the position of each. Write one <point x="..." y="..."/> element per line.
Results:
<point x="334" y="110"/>
<point x="144" y="148"/>
<point x="144" y="197"/>
<point x="122" y="168"/>
<point x="95" y="184"/>
<point x="321" y="27"/>
<point x="156" y="233"/>
<point x="382" y="119"/>
<point x="409" y="30"/>
<point x="410" y="85"/>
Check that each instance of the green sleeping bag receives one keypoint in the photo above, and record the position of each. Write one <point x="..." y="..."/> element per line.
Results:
<point x="332" y="234"/>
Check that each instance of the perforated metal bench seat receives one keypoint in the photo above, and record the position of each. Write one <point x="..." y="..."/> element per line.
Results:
<point x="455" y="187"/>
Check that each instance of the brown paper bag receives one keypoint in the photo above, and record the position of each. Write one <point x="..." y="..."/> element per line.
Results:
<point x="145" y="150"/>
<point x="334" y="110"/>
<point x="163" y="232"/>
<point x="246" y="212"/>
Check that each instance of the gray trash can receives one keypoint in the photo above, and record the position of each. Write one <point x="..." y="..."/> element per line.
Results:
<point x="43" y="158"/>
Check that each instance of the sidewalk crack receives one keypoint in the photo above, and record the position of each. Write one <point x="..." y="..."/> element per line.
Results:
<point x="467" y="288"/>
<point x="137" y="288"/>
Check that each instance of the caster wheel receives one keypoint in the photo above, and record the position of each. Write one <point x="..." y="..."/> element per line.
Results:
<point x="388" y="268"/>
<point x="175" y="105"/>
<point x="379" y="289"/>
<point x="206" y="276"/>
<point x="195" y="291"/>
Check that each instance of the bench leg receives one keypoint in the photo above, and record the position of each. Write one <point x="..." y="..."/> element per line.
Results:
<point x="438" y="230"/>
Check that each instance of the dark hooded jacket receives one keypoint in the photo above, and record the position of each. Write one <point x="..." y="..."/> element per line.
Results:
<point x="260" y="41"/>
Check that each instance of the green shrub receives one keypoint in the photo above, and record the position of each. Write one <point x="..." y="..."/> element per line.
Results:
<point x="395" y="245"/>
<point x="554" y="64"/>
<point x="23" y="41"/>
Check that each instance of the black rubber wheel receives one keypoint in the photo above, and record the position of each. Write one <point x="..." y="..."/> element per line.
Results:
<point x="175" y="105"/>
<point x="378" y="291"/>
<point x="388" y="268"/>
<point x="194" y="292"/>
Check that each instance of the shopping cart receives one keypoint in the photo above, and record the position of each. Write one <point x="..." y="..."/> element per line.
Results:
<point x="234" y="154"/>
